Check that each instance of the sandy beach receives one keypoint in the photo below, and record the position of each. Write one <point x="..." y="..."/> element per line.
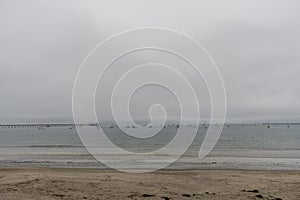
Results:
<point x="108" y="184"/>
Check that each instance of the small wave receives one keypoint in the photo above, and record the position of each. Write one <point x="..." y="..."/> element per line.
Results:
<point x="55" y="146"/>
<point x="42" y="146"/>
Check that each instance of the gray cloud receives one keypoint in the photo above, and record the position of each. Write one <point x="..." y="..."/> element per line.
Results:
<point x="256" y="45"/>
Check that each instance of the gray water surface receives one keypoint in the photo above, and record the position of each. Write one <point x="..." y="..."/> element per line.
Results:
<point x="239" y="147"/>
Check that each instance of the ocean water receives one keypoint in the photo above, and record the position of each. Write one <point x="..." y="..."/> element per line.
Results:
<point x="254" y="147"/>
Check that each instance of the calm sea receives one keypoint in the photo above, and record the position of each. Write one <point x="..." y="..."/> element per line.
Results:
<point x="254" y="147"/>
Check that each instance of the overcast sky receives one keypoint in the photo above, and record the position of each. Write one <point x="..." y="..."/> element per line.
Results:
<point x="255" y="43"/>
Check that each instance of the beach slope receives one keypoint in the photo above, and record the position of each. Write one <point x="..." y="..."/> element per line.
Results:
<point x="107" y="184"/>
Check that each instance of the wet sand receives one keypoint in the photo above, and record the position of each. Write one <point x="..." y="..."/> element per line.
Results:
<point x="44" y="184"/>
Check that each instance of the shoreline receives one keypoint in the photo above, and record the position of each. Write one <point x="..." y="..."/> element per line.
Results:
<point x="25" y="168"/>
<point x="71" y="183"/>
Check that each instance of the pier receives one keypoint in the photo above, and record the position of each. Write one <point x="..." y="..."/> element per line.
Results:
<point x="41" y="126"/>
